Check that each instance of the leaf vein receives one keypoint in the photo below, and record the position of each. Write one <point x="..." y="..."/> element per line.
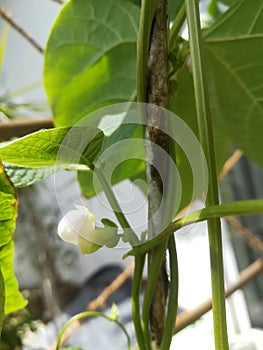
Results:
<point x="236" y="77"/>
<point x="234" y="38"/>
<point x="255" y="20"/>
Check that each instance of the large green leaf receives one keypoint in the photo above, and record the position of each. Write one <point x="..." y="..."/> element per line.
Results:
<point x="22" y="176"/>
<point x="234" y="51"/>
<point x="90" y="57"/>
<point x="131" y="168"/>
<point x="54" y="147"/>
<point x="182" y="103"/>
<point x="8" y="213"/>
<point x="119" y="152"/>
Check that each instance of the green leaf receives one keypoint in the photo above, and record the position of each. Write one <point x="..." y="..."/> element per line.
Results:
<point x="90" y="57"/>
<point x="182" y="104"/>
<point x="131" y="168"/>
<point x="2" y="300"/>
<point x="8" y="210"/>
<point x="234" y="50"/>
<point x="123" y="132"/>
<point x="22" y="177"/>
<point x="108" y="223"/>
<point x="54" y="147"/>
<point x="213" y="8"/>
<point x="233" y="47"/>
<point x="173" y="8"/>
<point x="229" y="2"/>
<point x="136" y="2"/>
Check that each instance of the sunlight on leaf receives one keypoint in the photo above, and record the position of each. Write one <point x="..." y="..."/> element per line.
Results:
<point x="8" y="210"/>
<point x="90" y="57"/>
<point x="52" y="147"/>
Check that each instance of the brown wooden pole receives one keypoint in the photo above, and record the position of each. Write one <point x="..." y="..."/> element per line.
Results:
<point x="20" y="128"/>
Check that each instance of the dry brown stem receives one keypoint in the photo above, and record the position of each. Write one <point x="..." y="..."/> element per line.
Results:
<point x="7" y="17"/>
<point x="229" y="164"/>
<point x="242" y="231"/>
<point x="247" y="275"/>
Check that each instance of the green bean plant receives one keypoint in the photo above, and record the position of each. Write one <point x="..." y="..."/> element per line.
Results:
<point x="134" y="97"/>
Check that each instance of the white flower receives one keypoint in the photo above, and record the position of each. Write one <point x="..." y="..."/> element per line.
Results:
<point x="78" y="227"/>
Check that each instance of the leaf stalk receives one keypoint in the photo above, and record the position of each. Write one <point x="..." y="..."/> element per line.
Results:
<point x="204" y="121"/>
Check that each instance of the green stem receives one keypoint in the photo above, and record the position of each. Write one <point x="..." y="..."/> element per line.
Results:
<point x="148" y="8"/>
<point x="176" y="27"/>
<point x="173" y="296"/>
<point x="153" y="275"/>
<point x="87" y="314"/>
<point x="146" y="45"/>
<point x="136" y="288"/>
<point x="131" y="236"/>
<point x="206" y="139"/>
<point x="252" y="206"/>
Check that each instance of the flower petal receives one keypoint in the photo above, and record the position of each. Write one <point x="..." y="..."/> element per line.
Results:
<point x="86" y="222"/>
<point x="66" y="232"/>
<point x="107" y="236"/>
<point x="87" y="247"/>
